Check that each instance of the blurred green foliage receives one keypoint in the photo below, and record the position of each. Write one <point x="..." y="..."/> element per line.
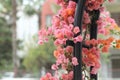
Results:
<point x="5" y="35"/>
<point x="5" y="6"/>
<point x="33" y="7"/>
<point x="29" y="10"/>
<point x="5" y="44"/>
<point x="39" y="56"/>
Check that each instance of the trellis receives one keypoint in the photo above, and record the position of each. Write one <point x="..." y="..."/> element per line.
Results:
<point x="78" y="46"/>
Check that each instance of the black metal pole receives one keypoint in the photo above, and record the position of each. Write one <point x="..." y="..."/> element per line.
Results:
<point x="78" y="45"/>
<point x="93" y="34"/>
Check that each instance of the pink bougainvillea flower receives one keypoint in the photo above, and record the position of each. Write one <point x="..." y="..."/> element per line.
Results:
<point x="59" y="34"/>
<point x="40" y="42"/>
<point x="78" y="39"/>
<point x="68" y="76"/>
<point x="94" y="4"/>
<point x="69" y="34"/>
<point x="58" y="42"/>
<point x="70" y="19"/>
<point x="54" y="67"/>
<point x="86" y="18"/>
<point x="76" y="30"/>
<point x="105" y="48"/>
<point x="72" y="4"/>
<point x="74" y="61"/>
<point x="65" y="77"/>
<point x="69" y="49"/>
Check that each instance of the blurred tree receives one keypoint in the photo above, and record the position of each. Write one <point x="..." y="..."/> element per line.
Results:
<point x="5" y="35"/>
<point x="8" y="11"/>
<point x="34" y="7"/>
<point x="8" y="17"/>
<point x="14" y="37"/>
<point x="39" y="56"/>
<point x="5" y="44"/>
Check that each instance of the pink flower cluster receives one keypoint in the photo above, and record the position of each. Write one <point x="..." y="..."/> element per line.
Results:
<point x="105" y="23"/>
<point x="62" y="26"/>
<point x="94" y="4"/>
<point x="62" y="29"/>
<point x="48" y="76"/>
<point x="92" y="58"/>
<point x="68" y="76"/>
<point x="42" y="36"/>
<point x="74" y="61"/>
<point x="64" y="58"/>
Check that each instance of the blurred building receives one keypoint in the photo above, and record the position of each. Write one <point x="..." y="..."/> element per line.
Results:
<point x="111" y="69"/>
<point x="47" y="13"/>
<point x="114" y="9"/>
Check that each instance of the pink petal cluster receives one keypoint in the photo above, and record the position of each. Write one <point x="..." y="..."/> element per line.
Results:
<point x="76" y="30"/>
<point x="54" y="67"/>
<point x="78" y="39"/>
<point x="68" y="76"/>
<point x="91" y="58"/>
<point x="74" y="61"/>
<point x="86" y="18"/>
<point x="105" y="23"/>
<point x="43" y="36"/>
<point x="62" y="29"/>
<point x="69" y="49"/>
<point x="94" y="4"/>
<point x="48" y="76"/>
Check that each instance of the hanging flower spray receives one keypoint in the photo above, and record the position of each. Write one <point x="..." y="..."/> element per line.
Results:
<point x="62" y="29"/>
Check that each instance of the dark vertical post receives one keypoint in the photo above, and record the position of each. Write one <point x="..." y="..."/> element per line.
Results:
<point x="93" y="34"/>
<point x="78" y="45"/>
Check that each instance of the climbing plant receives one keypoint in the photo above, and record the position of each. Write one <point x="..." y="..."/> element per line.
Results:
<point x="63" y="30"/>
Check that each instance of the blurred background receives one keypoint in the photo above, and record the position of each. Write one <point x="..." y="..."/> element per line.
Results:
<point x="20" y="55"/>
